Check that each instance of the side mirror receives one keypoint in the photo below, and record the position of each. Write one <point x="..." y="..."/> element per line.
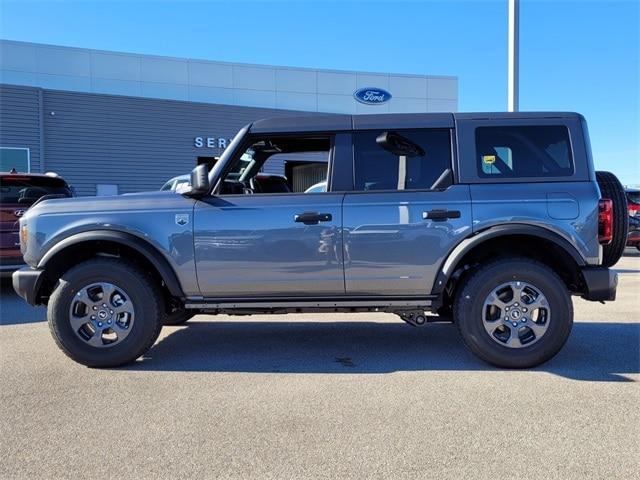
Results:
<point x="199" y="181"/>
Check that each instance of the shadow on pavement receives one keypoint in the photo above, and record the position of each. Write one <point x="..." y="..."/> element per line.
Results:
<point x="594" y="352"/>
<point x="14" y="310"/>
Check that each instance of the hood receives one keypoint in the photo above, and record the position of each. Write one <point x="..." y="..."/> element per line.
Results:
<point x="119" y="203"/>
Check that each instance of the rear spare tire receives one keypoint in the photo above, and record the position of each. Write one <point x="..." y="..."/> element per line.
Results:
<point x="610" y="187"/>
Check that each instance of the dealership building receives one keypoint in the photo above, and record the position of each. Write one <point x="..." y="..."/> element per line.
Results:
<point x="112" y="122"/>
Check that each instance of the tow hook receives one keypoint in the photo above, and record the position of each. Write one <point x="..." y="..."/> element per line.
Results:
<point x="417" y="318"/>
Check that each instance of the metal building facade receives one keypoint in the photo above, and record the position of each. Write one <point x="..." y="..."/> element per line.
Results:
<point x="21" y="121"/>
<point x="129" y="122"/>
<point x="135" y="143"/>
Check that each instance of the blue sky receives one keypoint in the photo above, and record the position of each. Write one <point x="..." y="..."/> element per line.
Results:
<point x="575" y="55"/>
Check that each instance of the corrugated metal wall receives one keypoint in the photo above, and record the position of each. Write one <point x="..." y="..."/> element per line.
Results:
<point x="276" y="163"/>
<point x="20" y="121"/>
<point x="305" y="176"/>
<point x="135" y="143"/>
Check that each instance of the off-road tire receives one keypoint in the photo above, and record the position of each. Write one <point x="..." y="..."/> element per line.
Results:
<point x="610" y="187"/>
<point x="469" y="301"/>
<point x="143" y="294"/>
<point x="179" y="317"/>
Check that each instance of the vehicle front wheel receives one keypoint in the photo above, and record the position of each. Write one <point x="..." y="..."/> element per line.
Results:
<point x="514" y="313"/>
<point x="105" y="312"/>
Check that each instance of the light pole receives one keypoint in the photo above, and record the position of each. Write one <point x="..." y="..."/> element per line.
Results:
<point x="513" y="64"/>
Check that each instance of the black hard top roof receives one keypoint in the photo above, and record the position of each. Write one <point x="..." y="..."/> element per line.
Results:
<point x="331" y="122"/>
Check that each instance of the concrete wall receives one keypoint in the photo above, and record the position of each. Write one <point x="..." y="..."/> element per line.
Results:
<point x="314" y="90"/>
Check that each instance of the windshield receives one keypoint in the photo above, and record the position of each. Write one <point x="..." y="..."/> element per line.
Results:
<point x="241" y="165"/>
<point x="634" y="197"/>
<point x="224" y="158"/>
<point x="26" y="190"/>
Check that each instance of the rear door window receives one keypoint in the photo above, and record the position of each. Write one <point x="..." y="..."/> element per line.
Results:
<point x="523" y="151"/>
<point x="376" y="168"/>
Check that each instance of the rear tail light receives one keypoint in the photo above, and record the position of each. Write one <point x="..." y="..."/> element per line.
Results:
<point x="634" y="210"/>
<point x="605" y="221"/>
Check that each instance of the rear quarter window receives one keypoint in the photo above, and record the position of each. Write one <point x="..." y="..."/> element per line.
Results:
<point x="523" y="151"/>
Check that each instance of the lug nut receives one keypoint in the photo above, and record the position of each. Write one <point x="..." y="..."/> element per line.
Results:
<point x="109" y="322"/>
<point x="524" y="320"/>
<point x="507" y="309"/>
<point x="93" y="317"/>
<point x="104" y="305"/>
<point x="515" y="324"/>
<point x="99" y="324"/>
<point x="95" y="308"/>
<point x="111" y="312"/>
<point x="515" y="304"/>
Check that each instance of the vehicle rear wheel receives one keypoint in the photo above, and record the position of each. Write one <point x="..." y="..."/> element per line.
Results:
<point x="105" y="312"/>
<point x="610" y="187"/>
<point x="179" y="317"/>
<point x="514" y="313"/>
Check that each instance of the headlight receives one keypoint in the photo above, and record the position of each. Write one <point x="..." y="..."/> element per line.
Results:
<point x="24" y="236"/>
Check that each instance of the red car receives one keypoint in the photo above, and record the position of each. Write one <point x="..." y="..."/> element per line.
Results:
<point x="18" y="191"/>
<point x="633" y="201"/>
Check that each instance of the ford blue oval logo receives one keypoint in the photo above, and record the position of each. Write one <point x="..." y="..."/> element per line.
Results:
<point x="372" y="95"/>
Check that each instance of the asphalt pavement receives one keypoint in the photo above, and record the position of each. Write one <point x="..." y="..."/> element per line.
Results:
<point x="324" y="396"/>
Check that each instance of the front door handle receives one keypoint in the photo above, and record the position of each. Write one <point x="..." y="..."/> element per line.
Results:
<point x="312" y="218"/>
<point x="440" y="215"/>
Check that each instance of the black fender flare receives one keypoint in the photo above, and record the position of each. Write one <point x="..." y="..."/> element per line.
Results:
<point x="448" y="266"/>
<point x="146" y="249"/>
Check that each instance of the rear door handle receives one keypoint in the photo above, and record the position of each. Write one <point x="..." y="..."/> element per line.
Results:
<point x="440" y="215"/>
<point x="312" y="218"/>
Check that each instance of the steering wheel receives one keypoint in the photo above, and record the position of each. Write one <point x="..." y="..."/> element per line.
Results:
<point x="253" y="185"/>
<point x="248" y="187"/>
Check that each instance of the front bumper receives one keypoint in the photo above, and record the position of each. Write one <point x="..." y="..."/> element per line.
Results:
<point x="7" y="270"/>
<point x="27" y="282"/>
<point x="600" y="282"/>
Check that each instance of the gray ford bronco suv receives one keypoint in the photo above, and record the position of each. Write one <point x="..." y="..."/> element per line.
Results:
<point x="490" y="220"/>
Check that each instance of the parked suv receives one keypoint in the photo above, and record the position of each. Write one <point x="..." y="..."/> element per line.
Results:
<point x="18" y="191"/>
<point x="491" y="220"/>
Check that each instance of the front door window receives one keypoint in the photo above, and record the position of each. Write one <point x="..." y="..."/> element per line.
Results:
<point x="261" y="167"/>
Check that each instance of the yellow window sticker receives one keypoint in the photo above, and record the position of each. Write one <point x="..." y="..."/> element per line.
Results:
<point x="489" y="159"/>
